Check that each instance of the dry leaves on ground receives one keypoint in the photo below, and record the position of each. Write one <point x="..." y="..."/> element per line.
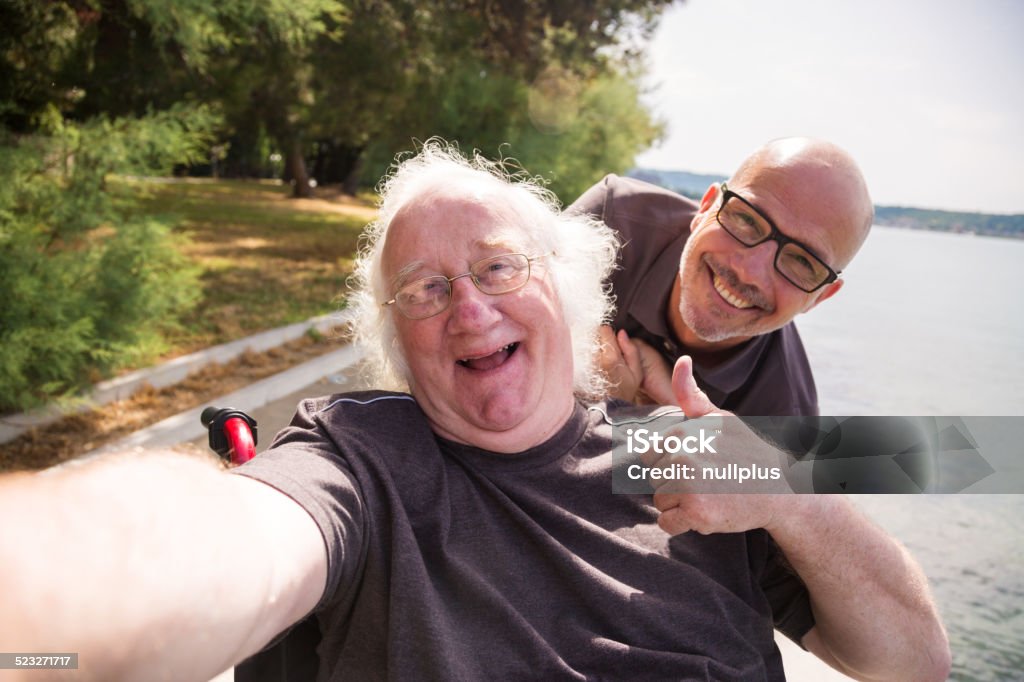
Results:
<point x="79" y="433"/>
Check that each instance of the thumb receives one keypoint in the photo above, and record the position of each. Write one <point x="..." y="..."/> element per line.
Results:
<point x="694" y="401"/>
<point x="630" y="353"/>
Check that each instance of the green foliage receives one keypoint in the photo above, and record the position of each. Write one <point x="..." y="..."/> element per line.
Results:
<point x="404" y="69"/>
<point x="86" y="287"/>
<point x="598" y="128"/>
<point x="93" y="87"/>
<point x="569" y="130"/>
<point x="36" y="41"/>
<point x="200" y="29"/>
<point x="87" y="57"/>
<point x="325" y="77"/>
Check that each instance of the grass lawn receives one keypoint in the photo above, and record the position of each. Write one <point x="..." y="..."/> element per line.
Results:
<point x="266" y="260"/>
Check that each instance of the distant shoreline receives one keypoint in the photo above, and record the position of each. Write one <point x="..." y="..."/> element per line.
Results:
<point x="693" y="185"/>
<point x="984" y="224"/>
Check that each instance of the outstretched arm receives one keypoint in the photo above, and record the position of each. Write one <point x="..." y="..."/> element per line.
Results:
<point x="155" y="565"/>
<point x="875" y="619"/>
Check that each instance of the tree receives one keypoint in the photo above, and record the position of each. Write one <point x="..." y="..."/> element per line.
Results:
<point x="565" y="128"/>
<point x="317" y="80"/>
<point x="602" y="134"/>
<point x="87" y="287"/>
<point x="128" y="57"/>
<point x="90" y="88"/>
<point x="401" y="68"/>
<point x="38" y="39"/>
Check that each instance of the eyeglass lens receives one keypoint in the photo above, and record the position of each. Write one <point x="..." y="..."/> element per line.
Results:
<point x="431" y="295"/>
<point x="750" y="228"/>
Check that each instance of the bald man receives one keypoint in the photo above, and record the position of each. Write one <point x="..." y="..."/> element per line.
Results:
<point x="722" y="280"/>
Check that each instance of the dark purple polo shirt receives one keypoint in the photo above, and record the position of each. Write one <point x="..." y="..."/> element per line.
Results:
<point x="769" y="375"/>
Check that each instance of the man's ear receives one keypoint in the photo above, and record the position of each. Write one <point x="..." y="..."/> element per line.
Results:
<point x="826" y="293"/>
<point x="706" y="203"/>
<point x="709" y="197"/>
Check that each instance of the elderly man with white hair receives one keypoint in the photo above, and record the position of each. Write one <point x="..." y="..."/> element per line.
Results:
<point x="462" y="526"/>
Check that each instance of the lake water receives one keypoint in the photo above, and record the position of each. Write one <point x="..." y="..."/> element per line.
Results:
<point x="926" y="323"/>
<point x="933" y="324"/>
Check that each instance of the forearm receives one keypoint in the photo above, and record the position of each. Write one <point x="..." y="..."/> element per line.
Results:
<point x="873" y="611"/>
<point x="148" y="567"/>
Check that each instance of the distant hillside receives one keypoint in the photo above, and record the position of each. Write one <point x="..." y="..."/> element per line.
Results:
<point x="688" y="184"/>
<point x="695" y="184"/>
<point x="951" y="221"/>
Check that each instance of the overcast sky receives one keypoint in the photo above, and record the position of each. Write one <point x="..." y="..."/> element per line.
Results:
<point x="928" y="95"/>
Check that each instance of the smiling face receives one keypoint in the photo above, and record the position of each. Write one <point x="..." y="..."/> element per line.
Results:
<point x="726" y="292"/>
<point x="492" y="371"/>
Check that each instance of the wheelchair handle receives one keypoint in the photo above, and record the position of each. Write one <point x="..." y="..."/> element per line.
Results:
<point x="232" y="433"/>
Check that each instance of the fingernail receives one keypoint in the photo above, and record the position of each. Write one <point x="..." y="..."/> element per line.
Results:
<point x="693" y="380"/>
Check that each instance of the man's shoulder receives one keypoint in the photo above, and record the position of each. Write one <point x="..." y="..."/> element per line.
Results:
<point x="618" y="196"/>
<point x="375" y="433"/>
<point x="625" y="187"/>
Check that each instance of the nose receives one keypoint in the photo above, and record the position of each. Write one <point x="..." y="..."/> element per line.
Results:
<point x="471" y="309"/>
<point x="755" y="265"/>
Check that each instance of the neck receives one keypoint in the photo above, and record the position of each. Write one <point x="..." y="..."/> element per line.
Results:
<point x="519" y="438"/>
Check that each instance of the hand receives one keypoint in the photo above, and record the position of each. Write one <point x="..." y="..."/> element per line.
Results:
<point x="620" y="362"/>
<point x="657" y="376"/>
<point x="636" y="371"/>
<point x="682" y="511"/>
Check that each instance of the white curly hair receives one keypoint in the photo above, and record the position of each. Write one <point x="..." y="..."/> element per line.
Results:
<point x="584" y="251"/>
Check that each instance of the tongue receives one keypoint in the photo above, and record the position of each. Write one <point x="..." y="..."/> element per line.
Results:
<point x="489" y="362"/>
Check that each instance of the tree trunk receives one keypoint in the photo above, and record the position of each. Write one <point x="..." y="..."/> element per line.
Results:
<point x="296" y="165"/>
<point x="351" y="183"/>
<point x="338" y="163"/>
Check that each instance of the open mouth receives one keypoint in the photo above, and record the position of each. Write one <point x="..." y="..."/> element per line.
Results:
<point x="731" y="298"/>
<point x="725" y="283"/>
<point x="491" y="361"/>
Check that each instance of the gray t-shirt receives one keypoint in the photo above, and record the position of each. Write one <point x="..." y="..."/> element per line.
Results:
<point x="449" y="562"/>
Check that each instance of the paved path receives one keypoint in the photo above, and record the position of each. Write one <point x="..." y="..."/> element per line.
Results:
<point x="271" y="401"/>
<point x="275" y="415"/>
<point x="165" y="374"/>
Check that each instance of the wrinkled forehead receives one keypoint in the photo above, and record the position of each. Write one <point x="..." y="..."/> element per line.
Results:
<point x="445" y="227"/>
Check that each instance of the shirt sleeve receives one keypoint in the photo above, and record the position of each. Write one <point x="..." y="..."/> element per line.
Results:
<point x="304" y="464"/>
<point x="592" y="202"/>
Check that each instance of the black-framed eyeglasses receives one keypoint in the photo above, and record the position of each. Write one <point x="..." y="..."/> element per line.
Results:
<point x="797" y="263"/>
<point x="496" y="275"/>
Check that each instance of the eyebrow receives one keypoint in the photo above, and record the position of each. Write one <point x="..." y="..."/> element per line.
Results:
<point x="403" y="276"/>
<point x="818" y="252"/>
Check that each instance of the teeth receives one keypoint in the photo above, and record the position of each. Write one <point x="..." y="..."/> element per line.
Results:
<point x="508" y="348"/>
<point x="729" y="296"/>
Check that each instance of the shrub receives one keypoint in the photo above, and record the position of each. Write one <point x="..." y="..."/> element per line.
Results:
<point x="85" y="287"/>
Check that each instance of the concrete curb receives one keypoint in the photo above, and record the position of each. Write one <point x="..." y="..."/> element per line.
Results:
<point x="166" y="374"/>
<point x="185" y="426"/>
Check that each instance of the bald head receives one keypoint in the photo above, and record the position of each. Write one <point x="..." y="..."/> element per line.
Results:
<point x="817" y="180"/>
